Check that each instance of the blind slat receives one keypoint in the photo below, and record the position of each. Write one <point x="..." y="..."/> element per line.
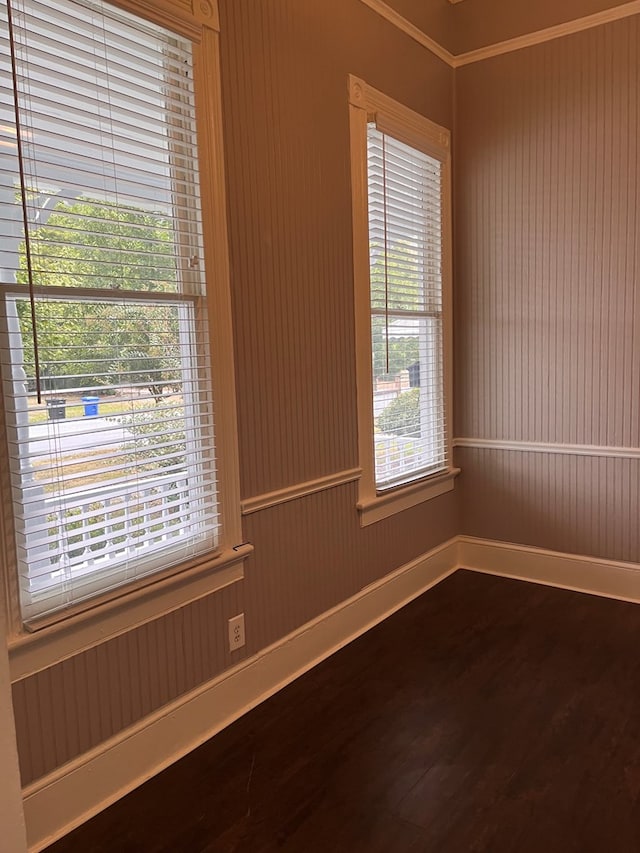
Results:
<point x="116" y="476"/>
<point x="405" y="233"/>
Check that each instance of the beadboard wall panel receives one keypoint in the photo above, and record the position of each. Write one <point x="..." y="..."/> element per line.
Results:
<point x="73" y="706"/>
<point x="572" y="504"/>
<point x="285" y="67"/>
<point x="330" y="557"/>
<point x="548" y="316"/>
<point x="547" y="242"/>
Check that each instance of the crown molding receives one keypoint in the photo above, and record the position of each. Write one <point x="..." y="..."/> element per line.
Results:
<point x="299" y="490"/>
<point x="549" y="34"/>
<point x="617" y="13"/>
<point x="385" y="11"/>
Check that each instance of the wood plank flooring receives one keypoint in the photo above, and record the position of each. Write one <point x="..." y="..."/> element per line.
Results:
<point x="489" y="715"/>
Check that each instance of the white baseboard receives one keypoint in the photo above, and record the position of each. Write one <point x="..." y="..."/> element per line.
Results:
<point x="80" y="789"/>
<point x="606" y="578"/>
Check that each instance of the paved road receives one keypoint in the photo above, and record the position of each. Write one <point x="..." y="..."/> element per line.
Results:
<point x="76" y="434"/>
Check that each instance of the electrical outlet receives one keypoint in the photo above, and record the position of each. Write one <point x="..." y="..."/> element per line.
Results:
<point x="236" y="632"/>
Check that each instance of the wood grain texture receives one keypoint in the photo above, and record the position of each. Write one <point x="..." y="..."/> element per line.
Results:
<point x="498" y="726"/>
<point x="285" y="67"/>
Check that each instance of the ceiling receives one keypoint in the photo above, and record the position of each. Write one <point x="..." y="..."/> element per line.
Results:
<point x="464" y="26"/>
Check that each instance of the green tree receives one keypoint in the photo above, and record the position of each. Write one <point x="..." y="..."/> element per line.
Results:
<point x="396" y="284"/>
<point x="401" y="352"/>
<point x="88" y="344"/>
<point x="396" y="276"/>
<point x="145" y="341"/>
<point x="105" y="246"/>
<point x="402" y="416"/>
<point x="157" y="437"/>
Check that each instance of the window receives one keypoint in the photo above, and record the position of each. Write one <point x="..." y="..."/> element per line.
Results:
<point x="401" y="189"/>
<point x="115" y="470"/>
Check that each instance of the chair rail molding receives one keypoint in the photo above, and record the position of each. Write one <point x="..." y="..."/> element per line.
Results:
<point x="299" y="490"/>
<point x="549" y="447"/>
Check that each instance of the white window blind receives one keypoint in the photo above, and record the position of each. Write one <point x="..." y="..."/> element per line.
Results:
<point x="405" y="244"/>
<point x="113" y="473"/>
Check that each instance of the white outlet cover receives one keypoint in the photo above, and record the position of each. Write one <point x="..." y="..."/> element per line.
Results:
<point x="236" y="632"/>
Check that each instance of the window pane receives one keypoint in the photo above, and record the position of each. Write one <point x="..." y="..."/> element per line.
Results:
<point x="405" y="226"/>
<point x="113" y="473"/>
<point x="407" y="397"/>
<point x="117" y="463"/>
<point x="90" y="243"/>
<point x="405" y="233"/>
<point x="108" y="133"/>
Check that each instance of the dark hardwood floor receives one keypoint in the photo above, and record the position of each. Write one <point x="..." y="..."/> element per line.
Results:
<point x="489" y="715"/>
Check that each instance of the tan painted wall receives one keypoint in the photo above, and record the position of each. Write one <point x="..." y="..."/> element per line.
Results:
<point x="547" y="264"/>
<point x="285" y="66"/>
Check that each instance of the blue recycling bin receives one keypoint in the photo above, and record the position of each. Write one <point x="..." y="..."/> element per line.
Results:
<point x="90" y="406"/>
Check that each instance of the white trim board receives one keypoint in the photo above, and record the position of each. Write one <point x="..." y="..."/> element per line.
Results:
<point x="606" y="578"/>
<point x="12" y="821"/>
<point x="299" y="490"/>
<point x="509" y="45"/>
<point x="73" y="793"/>
<point x="596" y="450"/>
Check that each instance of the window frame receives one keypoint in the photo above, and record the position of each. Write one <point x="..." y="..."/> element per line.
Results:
<point x="120" y="609"/>
<point x="367" y="104"/>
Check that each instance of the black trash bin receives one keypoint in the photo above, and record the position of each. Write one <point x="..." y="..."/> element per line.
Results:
<point x="56" y="409"/>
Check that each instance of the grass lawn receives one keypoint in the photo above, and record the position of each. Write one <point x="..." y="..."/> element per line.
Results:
<point x="74" y="408"/>
<point x="87" y="467"/>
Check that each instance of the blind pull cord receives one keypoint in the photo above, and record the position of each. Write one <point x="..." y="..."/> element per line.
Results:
<point x="23" y="194"/>
<point x="386" y="251"/>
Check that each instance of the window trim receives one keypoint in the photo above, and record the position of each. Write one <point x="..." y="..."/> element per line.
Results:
<point x="419" y="132"/>
<point x="166" y="590"/>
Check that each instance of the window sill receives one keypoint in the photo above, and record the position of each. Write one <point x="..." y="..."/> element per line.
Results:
<point x="395" y="500"/>
<point x="103" y="620"/>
